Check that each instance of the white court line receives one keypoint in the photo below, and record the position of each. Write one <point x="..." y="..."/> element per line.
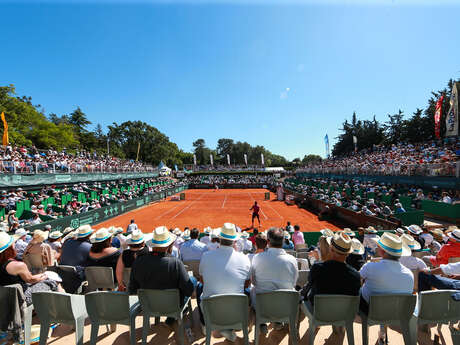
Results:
<point x="275" y="211"/>
<point x="225" y="199"/>
<point x="185" y="208"/>
<point x="170" y="210"/>
<point x="260" y="208"/>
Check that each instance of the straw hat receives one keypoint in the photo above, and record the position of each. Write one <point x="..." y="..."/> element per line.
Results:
<point x="411" y="242"/>
<point x="100" y="236"/>
<point x="12" y="211"/>
<point x="414" y="229"/>
<point x="177" y="232"/>
<point x="400" y="231"/>
<point x="84" y="231"/>
<point x="162" y="237"/>
<point x="207" y="230"/>
<point x="340" y="243"/>
<point x="215" y="233"/>
<point x="370" y="230"/>
<point x="287" y="236"/>
<point x="5" y="241"/>
<point x="244" y="234"/>
<point x="136" y="237"/>
<point x="47" y="227"/>
<point x="19" y="233"/>
<point x="327" y="232"/>
<point x="358" y="248"/>
<point x="393" y="245"/>
<point x="186" y="235"/>
<point x="40" y="235"/>
<point x="55" y="235"/>
<point x="228" y="232"/>
<point x="438" y="234"/>
<point x="67" y="230"/>
<point x="454" y="235"/>
<point x="349" y="232"/>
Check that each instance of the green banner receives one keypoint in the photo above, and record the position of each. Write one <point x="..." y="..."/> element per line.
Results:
<point x="41" y="179"/>
<point x="104" y="213"/>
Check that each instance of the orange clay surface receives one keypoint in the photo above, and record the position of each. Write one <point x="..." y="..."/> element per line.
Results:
<point x="207" y="207"/>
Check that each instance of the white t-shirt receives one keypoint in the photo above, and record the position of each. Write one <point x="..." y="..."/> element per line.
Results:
<point x="413" y="263"/>
<point x="224" y="270"/>
<point x="385" y="277"/>
<point x="428" y="238"/>
<point x="205" y="239"/>
<point x="213" y="245"/>
<point x="243" y="244"/>
<point x="131" y="227"/>
<point x="451" y="269"/>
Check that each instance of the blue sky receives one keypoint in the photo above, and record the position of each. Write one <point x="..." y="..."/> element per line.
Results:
<point x="278" y="74"/>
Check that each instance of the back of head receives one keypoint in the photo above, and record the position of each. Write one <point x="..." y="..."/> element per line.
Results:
<point x="275" y="237"/>
<point x="226" y="243"/>
<point x="261" y="241"/>
<point x="296" y="227"/>
<point x="194" y="233"/>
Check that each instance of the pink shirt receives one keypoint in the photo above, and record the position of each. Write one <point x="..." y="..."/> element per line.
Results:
<point x="297" y="238"/>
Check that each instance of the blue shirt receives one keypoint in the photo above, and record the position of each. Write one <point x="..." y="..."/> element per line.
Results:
<point x="288" y="246"/>
<point x="75" y="252"/>
<point x="192" y="250"/>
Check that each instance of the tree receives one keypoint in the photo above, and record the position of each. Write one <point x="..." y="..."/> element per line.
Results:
<point x="224" y="148"/>
<point x="201" y="151"/>
<point x="311" y="159"/>
<point x="79" y="120"/>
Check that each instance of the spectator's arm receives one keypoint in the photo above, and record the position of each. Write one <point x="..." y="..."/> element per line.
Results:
<point x="185" y="283"/>
<point x="133" y="284"/>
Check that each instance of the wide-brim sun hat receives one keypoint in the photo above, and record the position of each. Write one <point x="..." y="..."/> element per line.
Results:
<point x="215" y="233"/>
<point x="55" y="235"/>
<point x="327" y="232"/>
<point x="411" y="242"/>
<point x="40" y="235"/>
<point x="370" y="230"/>
<point x="177" y="232"/>
<point x="207" y="230"/>
<point x="244" y="234"/>
<point x="340" y="243"/>
<point x="438" y="234"/>
<point x="228" y="232"/>
<point x="357" y="247"/>
<point x="67" y="230"/>
<point x="400" y="231"/>
<point x="454" y="235"/>
<point x="414" y="229"/>
<point x="136" y="237"/>
<point x="393" y="245"/>
<point x="84" y="231"/>
<point x="186" y="235"/>
<point x="287" y="236"/>
<point x="20" y="232"/>
<point x="6" y="241"/>
<point x="100" y="235"/>
<point x="349" y="232"/>
<point x="161" y="237"/>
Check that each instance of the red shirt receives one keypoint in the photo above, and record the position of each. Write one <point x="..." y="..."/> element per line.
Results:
<point x="450" y="250"/>
<point x="255" y="209"/>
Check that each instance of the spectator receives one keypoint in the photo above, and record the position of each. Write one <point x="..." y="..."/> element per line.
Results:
<point x="426" y="237"/>
<point x="449" y="250"/>
<point x="273" y="269"/>
<point x="214" y="244"/>
<point x="356" y="257"/>
<point x="102" y="254"/>
<point x="415" y="231"/>
<point x="75" y="251"/>
<point x="297" y="236"/>
<point x="132" y="226"/>
<point x="137" y="247"/>
<point x="159" y="270"/>
<point x="446" y="198"/>
<point x="244" y="245"/>
<point x="431" y="278"/>
<point x="206" y="238"/>
<point x="289" y="227"/>
<point x="37" y="247"/>
<point x="54" y="241"/>
<point x="287" y="243"/>
<point x="387" y="276"/>
<point x="411" y="262"/>
<point x="223" y="270"/>
<point x="193" y="249"/>
<point x="21" y="243"/>
<point x="253" y="237"/>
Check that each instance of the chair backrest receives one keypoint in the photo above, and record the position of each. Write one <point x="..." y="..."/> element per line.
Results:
<point x="126" y="275"/>
<point x="159" y="302"/>
<point x="331" y="308"/>
<point x="277" y="305"/>
<point x="106" y="306"/>
<point x="303" y="264"/>
<point x="34" y="262"/>
<point x="225" y="310"/>
<point x="439" y="306"/>
<point x="194" y="266"/>
<point x="303" y="277"/>
<point x="70" y="278"/>
<point x="291" y="252"/>
<point x="54" y="306"/>
<point x="391" y="307"/>
<point x="99" y="277"/>
<point x="300" y="246"/>
<point x="415" y="273"/>
<point x="302" y="255"/>
<point x="454" y="260"/>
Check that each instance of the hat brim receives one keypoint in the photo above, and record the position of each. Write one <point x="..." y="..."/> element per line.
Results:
<point x="161" y="244"/>
<point x="335" y="247"/>
<point x="415" y="246"/>
<point x="405" y="250"/>
<point x="456" y="239"/>
<point x="229" y="237"/>
<point x="7" y="245"/>
<point x="99" y="240"/>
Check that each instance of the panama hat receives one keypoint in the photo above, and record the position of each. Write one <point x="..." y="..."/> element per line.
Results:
<point x="67" y="230"/>
<point x="5" y="241"/>
<point x="454" y="235"/>
<point x="244" y="234"/>
<point x="400" y="231"/>
<point x="340" y="243"/>
<point x="207" y="230"/>
<point x="40" y="235"/>
<point x="19" y="233"/>
<point x="393" y="245"/>
<point x="414" y="229"/>
<point x="12" y="211"/>
<point x="228" y="232"/>
<point x="55" y="235"/>
<point x="327" y="232"/>
<point x="411" y="242"/>
<point x="438" y="234"/>
<point x="84" y="231"/>
<point x="370" y="230"/>
<point x="136" y="237"/>
<point x="100" y="235"/>
<point x="186" y="235"/>
<point x="358" y="248"/>
<point x="162" y="237"/>
<point x="287" y="236"/>
<point x="349" y="232"/>
<point x="177" y="232"/>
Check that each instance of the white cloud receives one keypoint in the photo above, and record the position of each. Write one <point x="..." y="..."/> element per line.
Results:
<point x="285" y="93"/>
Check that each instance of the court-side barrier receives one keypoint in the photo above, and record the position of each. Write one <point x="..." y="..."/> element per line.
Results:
<point x="442" y="210"/>
<point x="411" y="217"/>
<point x="227" y="186"/>
<point x="104" y="213"/>
<point x="7" y="181"/>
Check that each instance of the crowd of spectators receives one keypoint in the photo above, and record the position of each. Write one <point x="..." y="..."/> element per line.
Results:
<point x="230" y="262"/>
<point x="230" y="179"/>
<point x="30" y="160"/>
<point x="427" y="159"/>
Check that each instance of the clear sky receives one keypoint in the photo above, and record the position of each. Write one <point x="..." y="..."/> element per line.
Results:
<point x="276" y="73"/>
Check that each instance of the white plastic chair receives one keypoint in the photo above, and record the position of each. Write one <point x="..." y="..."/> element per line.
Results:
<point x="99" y="278"/>
<point x="302" y="255"/>
<point x="335" y="310"/>
<point x="278" y="306"/>
<point x="57" y="307"/>
<point x="126" y="276"/>
<point x="303" y="278"/>
<point x="392" y="309"/>
<point x="108" y="308"/>
<point x="303" y="264"/>
<point x="224" y="312"/>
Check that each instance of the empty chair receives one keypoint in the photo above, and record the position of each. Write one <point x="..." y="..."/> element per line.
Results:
<point x="301" y="246"/>
<point x="277" y="306"/>
<point x="60" y="307"/>
<point x="99" y="278"/>
<point x="303" y="278"/>
<point x="303" y="264"/>
<point x="157" y="303"/>
<point x="194" y="266"/>
<point x="438" y="307"/>
<point x="223" y="312"/>
<point x="106" y="308"/>
<point x="335" y="310"/>
<point x="126" y="276"/>
<point x="302" y="255"/>
<point x="394" y="309"/>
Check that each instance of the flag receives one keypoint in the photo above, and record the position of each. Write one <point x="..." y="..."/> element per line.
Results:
<point x="355" y="142"/>
<point x="175" y="167"/>
<point x="211" y="158"/>
<point x="194" y="159"/>
<point x="245" y="159"/>
<point x="437" y="117"/>
<point x="262" y="158"/>
<point x="138" y="148"/>
<point x="228" y="159"/>
<point x="326" y="141"/>
<point x="452" y="115"/>
<point x="6" y="140"/>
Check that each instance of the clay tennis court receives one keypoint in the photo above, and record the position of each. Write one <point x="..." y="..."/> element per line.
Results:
<point x="207" y="207"/>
